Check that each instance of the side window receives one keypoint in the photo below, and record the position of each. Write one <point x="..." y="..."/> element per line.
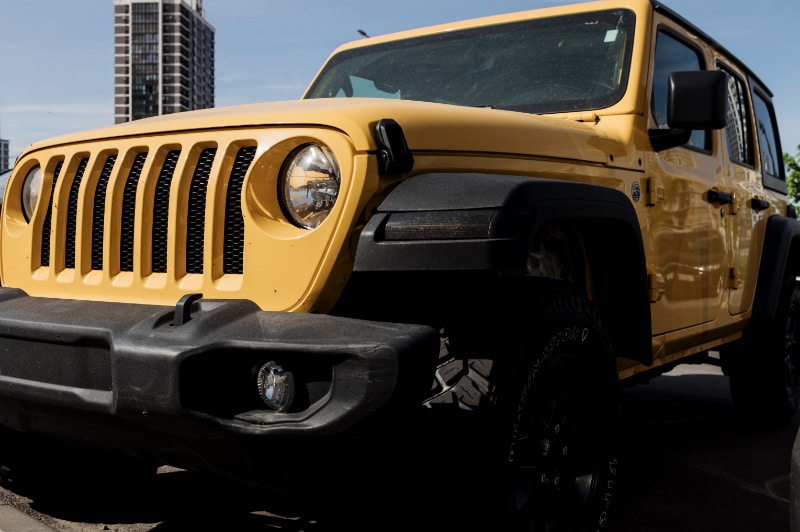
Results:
<point x="737" y="131"/>
<point x="769" y="148"/>
<point x="673" y="55"/>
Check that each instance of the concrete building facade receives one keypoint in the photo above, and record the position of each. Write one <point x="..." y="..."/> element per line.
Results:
<point x="4" y="155"/>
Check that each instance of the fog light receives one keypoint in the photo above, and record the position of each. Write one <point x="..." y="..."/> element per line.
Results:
<point x="275" y="386"/>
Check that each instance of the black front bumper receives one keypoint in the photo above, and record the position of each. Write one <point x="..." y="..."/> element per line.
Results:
<point x="178" y="385"/>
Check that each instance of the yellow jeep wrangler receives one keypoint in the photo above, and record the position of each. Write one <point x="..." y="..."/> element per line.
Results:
<point x="462" y="236"/>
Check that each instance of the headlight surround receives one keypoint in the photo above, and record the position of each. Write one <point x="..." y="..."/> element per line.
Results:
<point x="309" y="185"/>
<point x="31" y="188"/>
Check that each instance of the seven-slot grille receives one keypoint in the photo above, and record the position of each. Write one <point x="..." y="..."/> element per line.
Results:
<point x="198" y="169"/>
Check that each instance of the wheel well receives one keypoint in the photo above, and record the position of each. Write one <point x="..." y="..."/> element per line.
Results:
<point x="600" y="258"/>
<point x="486" y="234"/>
<point x="605" y="262"/>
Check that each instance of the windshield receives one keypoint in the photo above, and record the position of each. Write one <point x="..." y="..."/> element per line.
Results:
<point x="559" y="64"/>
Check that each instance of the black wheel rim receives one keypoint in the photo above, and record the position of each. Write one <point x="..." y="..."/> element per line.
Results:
<point x="792" y="351"/>
<point x="560" y="450"/>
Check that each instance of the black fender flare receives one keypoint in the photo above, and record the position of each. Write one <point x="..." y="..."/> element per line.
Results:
<point x="779" y="257"/>
<point x="488" y="222"/>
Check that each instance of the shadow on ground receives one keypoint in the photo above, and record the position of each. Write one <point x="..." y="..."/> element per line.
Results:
<point x="689" y="465"/>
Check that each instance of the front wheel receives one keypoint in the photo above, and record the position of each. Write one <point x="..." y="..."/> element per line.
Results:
<point x="561" y="429"/>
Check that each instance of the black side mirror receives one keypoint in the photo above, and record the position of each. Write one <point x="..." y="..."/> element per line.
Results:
<point x="695" y="100"/>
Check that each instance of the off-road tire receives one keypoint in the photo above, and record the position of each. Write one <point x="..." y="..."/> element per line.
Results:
<point x="561" y="461"/>
<point x="546" y="405"/>
<point x="764" y="367"/>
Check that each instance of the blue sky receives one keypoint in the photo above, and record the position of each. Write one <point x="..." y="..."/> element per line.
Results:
<point x="56" y="56"/>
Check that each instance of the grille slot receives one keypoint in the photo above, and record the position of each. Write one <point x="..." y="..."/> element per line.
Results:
<point x="233" y="256"/>
<point x="45" y="251"/>
<point x="98" y="214"/>
<point x="129" y="213"/>
<point x="72" y="215"/>
<point x="161" y="212"/>
<point x="195" y="224"/>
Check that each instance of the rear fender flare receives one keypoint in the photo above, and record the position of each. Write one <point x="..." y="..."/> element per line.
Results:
<point x="779" y="257"/>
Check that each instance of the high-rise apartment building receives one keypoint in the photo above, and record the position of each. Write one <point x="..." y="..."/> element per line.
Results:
<point x="4" y="155"/>
<point x="163" y="58"/>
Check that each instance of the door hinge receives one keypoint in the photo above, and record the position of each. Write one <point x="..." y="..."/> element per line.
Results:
<point x="733" y="278"/>
<point x="657" y="286"/>
<point x="655" y="192"/>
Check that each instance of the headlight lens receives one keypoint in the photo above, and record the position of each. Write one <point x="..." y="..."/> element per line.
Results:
<point x="309" y="185"/>
<point x="30" y="191"/>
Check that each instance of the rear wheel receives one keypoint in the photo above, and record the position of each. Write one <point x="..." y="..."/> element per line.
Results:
<point x="764" y="367"/>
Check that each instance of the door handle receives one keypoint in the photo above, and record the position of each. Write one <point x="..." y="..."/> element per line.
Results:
<point x="723" y="198"/>
<point x="759" y="204"/>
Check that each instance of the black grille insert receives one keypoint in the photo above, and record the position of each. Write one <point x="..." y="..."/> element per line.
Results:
<point x="45" y="251"/>
<point x="129" y="213"/>
<point x="98" y="214"/>
<point x="234" y="221"/>
<point x="72" y="215"/>
<point x="161" y="212"/>
<point x="195" y="224"/>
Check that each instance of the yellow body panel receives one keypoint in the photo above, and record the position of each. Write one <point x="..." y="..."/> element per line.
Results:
<point x="293" y="264"/>
<point x="701" y="258"/>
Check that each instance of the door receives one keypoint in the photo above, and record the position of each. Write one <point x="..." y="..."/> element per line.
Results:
<point x="689" y="241"/>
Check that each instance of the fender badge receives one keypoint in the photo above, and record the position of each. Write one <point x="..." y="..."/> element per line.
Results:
<point x="636" y="192"/>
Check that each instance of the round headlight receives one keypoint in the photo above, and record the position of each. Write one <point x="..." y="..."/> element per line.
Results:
<point x="309" y="185"/>
<point x="275" y="386"/>
<point x="31" y="188"/>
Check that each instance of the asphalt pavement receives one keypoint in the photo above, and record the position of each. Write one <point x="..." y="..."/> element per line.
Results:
<point x="691" y="465"/>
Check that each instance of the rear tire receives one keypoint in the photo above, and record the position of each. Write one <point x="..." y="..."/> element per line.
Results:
<point x="764" y="368"/>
